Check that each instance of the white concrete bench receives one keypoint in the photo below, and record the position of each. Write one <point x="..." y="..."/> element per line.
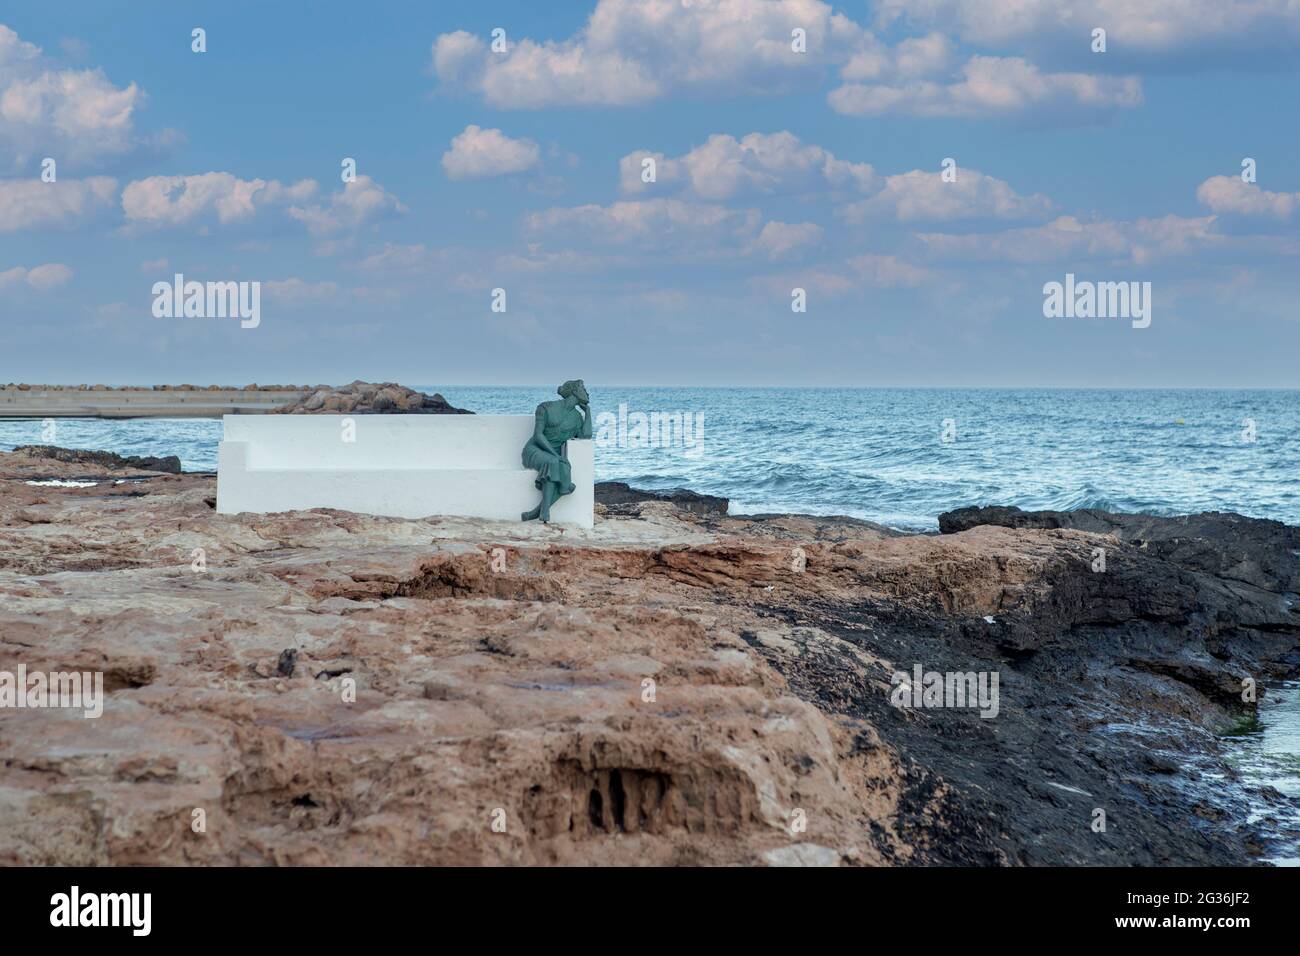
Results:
<point x="406" y="466"/>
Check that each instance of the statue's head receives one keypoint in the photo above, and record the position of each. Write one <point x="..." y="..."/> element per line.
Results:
<point x="575" y="388"/>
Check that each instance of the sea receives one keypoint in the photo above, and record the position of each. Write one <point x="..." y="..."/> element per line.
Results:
<point x="896" y="456"/>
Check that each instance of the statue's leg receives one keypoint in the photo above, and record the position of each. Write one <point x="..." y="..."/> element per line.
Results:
<point x="563" y="476"/>
<point x="548" y="498"/>
<point x="542" y="481"/>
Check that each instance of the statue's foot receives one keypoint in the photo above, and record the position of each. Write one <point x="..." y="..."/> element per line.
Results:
<point x="531" y="515"/>
<point x="546" y="516"/>
<point x="570" y="488"/>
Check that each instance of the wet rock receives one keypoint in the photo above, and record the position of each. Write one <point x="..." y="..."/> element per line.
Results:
<point x="617" y="493"/>
<point x="170" y="464"/>
<point x="1255" y="551"/>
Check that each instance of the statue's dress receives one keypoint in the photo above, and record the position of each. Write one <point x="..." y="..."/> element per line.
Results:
<point x="561" y="425"/>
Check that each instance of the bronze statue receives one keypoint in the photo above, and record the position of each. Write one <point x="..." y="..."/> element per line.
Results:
<point x="545" y="453"/>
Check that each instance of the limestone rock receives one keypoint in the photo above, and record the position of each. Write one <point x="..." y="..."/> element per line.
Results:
<point x="665" y="688"/>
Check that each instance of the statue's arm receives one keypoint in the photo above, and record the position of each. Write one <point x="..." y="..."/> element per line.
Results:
<point x="539" y="431"/>
<point x="586" y="422"/>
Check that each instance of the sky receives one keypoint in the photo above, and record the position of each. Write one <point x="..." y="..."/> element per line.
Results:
<point x="920" y="170"/>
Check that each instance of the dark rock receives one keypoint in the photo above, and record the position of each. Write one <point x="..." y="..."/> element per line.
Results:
<point x="1255" y="551"/>
<point x="618" y="493"/>
<point x="1098" y="667"/>
<point x="170" y="464"/>
<point x="288" y="661"/>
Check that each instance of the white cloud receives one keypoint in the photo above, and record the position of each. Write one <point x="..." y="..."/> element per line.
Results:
<point x="1152" y="26"/>
<point x="161" y="201"/>
<point x="755" y="165"/>
<point x="399" y="259"/>
<point x="920" y="196"/>
<point x="297" y="292"/>
<point x="225" y="199"/>
<point x="477" y="153"/>
<point x="49" y="276"/>
<point x="42" y="278"/>
<point x="357" y="204"/>
<point x="783" y="240"/>
<point x="633" y="51"/>
<point x="73" y="114"/>
<point x="648" y="231"/>
<point x="990" y="86"/>
<point x="1230" y="195"/>
<point x="849" y="277"/>
<point x="913" y="58"/>
<point x="660" y="224"/>
<point x="33" y="204"/>
<point x="1066" y="238"/>
<point x="888" y="272"/>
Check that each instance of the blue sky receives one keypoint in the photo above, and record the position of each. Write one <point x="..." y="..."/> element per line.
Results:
<point x="775" y="170"/>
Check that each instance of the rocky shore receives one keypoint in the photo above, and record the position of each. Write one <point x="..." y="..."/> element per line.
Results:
<point x="675" y="686"/>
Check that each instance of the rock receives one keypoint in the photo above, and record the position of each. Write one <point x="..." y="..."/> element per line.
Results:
<point x="440" y="689"/>
<point x="288" y="661"/>
<point x="1262" y="553"/>
<point x="171" y="464"/>
<point x="617" y="493"/>
<point x="384" y="400"/>
<point x="367" y="398"/>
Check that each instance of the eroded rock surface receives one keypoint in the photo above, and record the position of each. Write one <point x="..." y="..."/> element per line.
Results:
<point x="666" y="688"/>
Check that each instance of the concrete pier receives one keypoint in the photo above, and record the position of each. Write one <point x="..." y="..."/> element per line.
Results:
<point x="141" y="402"/>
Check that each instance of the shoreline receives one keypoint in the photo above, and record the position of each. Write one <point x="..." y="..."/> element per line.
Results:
<point x="25" y="401"/>
<point x="159" y="401"/>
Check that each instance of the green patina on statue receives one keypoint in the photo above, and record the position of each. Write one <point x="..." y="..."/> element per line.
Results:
<point x="545" y="453"/>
